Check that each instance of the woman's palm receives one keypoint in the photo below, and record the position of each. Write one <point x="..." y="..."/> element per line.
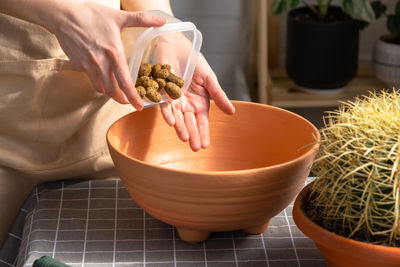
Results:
<point x="189" y="114"/>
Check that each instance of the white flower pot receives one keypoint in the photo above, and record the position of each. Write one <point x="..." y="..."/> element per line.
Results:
<point x="386" y="63"/>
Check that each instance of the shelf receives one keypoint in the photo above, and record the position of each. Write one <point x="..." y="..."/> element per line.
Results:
<point x="284" y="93"/>
<point x="276" y="88"/>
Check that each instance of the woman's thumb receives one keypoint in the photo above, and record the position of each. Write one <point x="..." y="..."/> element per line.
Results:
<point x="139" y="19"/>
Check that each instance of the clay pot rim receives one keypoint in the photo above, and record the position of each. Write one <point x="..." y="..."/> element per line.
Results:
<point x="313" y="149"/>
<point x="336" y="22"/>
<point x="332" y="240"/>
<point x="381" y="40"/>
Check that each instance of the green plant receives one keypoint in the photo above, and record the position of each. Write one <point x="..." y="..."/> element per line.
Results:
<point x="356" y="9"/>
<point x="357" y="192"/>
<point x="393" y="19"/>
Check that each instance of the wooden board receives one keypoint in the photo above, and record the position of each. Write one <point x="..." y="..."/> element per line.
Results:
<point x="284" y="93"/>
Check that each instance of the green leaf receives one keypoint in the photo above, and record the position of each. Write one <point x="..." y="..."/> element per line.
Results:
<point x="393" y="25"/>
<point x="397" y="8"/>
<point x="362" y="24"/>
<point x="279" y="6"/>
<point x="378" y="8"/>
<point x="360" y="10"/>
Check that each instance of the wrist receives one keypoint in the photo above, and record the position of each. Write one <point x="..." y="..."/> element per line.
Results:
<point x="57" y="14"/>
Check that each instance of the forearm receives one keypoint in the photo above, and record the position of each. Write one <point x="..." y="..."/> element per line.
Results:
<point x="139" y="5"/>
<point x="47" y="13"/>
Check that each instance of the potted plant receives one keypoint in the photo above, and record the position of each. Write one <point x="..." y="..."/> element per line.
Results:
<point x="386" y="55"/>
<point x="352" y="209"/>
<point x="322" y="41"/>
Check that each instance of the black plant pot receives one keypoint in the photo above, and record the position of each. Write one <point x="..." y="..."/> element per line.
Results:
<point x="321" y="55"/>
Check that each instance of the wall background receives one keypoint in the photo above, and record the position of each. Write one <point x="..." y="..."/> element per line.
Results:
<point x="226" y="29"/>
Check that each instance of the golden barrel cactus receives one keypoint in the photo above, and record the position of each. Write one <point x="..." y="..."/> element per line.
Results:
<point x="357" y="190"/>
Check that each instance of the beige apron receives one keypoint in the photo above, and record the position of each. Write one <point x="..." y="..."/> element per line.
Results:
<point x="52" y="122"/>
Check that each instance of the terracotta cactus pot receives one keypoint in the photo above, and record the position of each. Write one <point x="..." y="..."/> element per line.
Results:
<point x="256" y="164"/>
<point x="339" y="250"/>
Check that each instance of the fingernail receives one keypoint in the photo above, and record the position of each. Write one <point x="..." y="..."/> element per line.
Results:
<point x="233" y="108"/>
<point x="205" y="145"/>
<point x="195" y="149"/>
<point x="137" y="107"/>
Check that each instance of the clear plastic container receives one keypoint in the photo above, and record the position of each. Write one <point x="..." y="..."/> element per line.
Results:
<point x="176" y="43"/>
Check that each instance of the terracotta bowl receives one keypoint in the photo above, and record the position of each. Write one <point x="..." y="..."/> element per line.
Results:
<point x="256" y="164"/>
<point x="340" y="251"/>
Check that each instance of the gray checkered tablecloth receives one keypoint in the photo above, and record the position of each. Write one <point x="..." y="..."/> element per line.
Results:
<point x="96" y="223"/>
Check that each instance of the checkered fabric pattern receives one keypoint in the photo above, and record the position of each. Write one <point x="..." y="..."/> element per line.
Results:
<point x="96" y="223"/>
<point x="9" y="250"/>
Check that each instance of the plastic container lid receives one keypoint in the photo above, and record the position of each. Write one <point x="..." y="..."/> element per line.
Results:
<point x="176" y="43"/>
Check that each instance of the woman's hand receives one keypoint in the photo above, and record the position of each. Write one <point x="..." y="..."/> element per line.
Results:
<point x="189" y="113"/>
<point x="89" y="34"/>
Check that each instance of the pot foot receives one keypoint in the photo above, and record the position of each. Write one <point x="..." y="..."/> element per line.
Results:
<point x="258" y="229"/>
<point x="192" y="236"/>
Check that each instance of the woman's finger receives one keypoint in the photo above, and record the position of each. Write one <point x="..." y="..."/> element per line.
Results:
<point x="110" y="84"/>
<point x="217" y="93"/>
<point x="95" y="80"/>
<point x="204" y="129"/>
<point x="119" y="94"/>
<point x="211" y="84"/>
<point x="123" y="77"/>
<point x="139" y="19"/>
<point x="180" y="126"/>
<point x="191" y="125"/>
<point x="166" y="111"/>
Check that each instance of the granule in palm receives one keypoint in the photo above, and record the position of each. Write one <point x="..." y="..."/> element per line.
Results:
<point x="153" y="95"/>
<point x="161" y="83"/>
<point x="175" y="79"/>
<point x="145" y="69"/>
<point x="159" y="71"/>
<point x="141" y="91"/>
<point x="173" y="90"/>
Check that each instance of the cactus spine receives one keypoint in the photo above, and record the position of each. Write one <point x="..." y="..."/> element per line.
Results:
<point x="357" y="192"/>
